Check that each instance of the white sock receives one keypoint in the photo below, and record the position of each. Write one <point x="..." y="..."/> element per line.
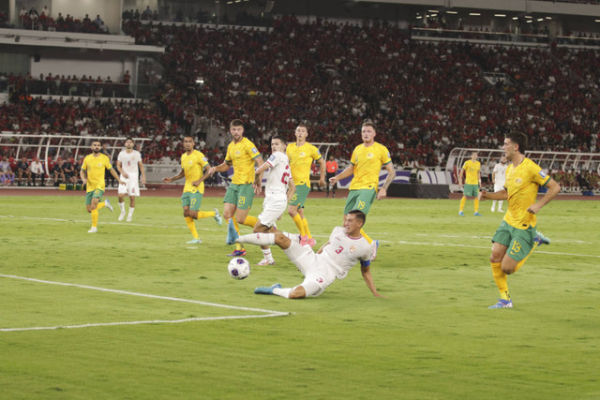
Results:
<point x="122" y="207"/>
<point x="267" y="254"/>
<point x="283" y="292"/>
<point x="131" y="209"/>
<point x="499" y="204"/>
<point x="260" y="239"/>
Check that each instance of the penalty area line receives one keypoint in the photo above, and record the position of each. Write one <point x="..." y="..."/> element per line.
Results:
<point x="264" y="312"/>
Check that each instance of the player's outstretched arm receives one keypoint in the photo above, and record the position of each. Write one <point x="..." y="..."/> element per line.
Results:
<point x="83" y="176"/>
<point x="120" y="169"/>
<point x="180" y="175"/>
<point x="322" y="172"/>
<point x="501" y="195"/>
<point x="142" y="172"/>
<point x="258" y="180"/>
<point x="553" y="190"/>
<point x="205" y="175"/>
<point x="382" y="193"/>
<point x="344" y="174"/>
<point x="291" y="190"/>
<point x="366" y="274"/>
<point x="223" y="167"/>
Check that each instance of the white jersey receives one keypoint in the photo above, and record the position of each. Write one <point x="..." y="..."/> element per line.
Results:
<point x="279" y="174"/>
<point x="129" y="162"/>
<point x="500" y="175"/>
<point x="343" y="252"/>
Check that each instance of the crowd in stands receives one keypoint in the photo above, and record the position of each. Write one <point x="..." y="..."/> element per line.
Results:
<point x="69" y="85"/>
<point x="33" y="20"/>
<point x="426" y="98"/>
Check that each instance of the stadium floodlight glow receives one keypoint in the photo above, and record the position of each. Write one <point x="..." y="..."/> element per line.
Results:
<point x="540" y="19"/>
<point x="419" y="17"/>
<point x="433" y="15"/>
<point x="597" y="20"/>
<point x="529" y="21"/>
<point x="199" y="81"/>
<point x="549" y="18"/>
<point x="451" y="12"/>
<point x="500" y="15"/>
<point x="515" y="18"/>
<point x="474" y="14"/>
<point x="528" y="17"/>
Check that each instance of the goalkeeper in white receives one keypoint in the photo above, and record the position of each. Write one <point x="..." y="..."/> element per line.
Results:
<point x="346" y="247"/>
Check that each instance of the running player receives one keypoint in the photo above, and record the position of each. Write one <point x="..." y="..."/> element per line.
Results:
<point x="92" y="175"/>
<point x="242" y="154"/>
<point x="129" y="164"/>
<point x="301" y="155"/>
<point x="472" y="169"/>
<point x="193" y="167"/>
<point x="345" y="247"/>
<point x="366" y="162"/>
<point x="517" y="232"/>
<point x="278" y="192"/>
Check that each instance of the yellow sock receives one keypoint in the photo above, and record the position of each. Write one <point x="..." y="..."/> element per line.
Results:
<point x="476" y="204"/>
<point x="94" y="218"/>
<point x="250" y="221"/>
<point x="238" y="246"/>
<point x="362" y="232"/>
<point x="500" y="279"/>
<point x="235" y="225"/>
<point x="306" y="230"/>
<point x="100" y="205"/>
<point x="191" y="226"/>
<point x="299" y="224"/>
<point x="463" y="201"/>
<point x="205" y="214"/>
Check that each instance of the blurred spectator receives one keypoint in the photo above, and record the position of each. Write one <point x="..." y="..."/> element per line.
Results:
<point x="37" y="171"/>
<point x="23" y="172"/>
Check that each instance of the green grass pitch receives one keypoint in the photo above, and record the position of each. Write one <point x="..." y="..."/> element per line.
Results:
<point x="431" y="338"/>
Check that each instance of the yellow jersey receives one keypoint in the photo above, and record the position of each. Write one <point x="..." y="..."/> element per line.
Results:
<point x="95" y="166"/>
<point x="522" y="183"/>
<point x="301" y="158"/>
<point x="367" y="162"/>
<point x="241" y="155"/>
<point x="472" y="169"/>
<point x="193" y="168"/>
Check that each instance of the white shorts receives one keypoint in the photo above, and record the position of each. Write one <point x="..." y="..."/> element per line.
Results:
<point x="317" y="276"/>
<point x="498" y="188"/>
<point x="131" y="186"/>
<point x="273" y="206"/>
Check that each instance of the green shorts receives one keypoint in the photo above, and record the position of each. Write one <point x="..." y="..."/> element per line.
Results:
<point x="240" y="195"/>
<point x="360" y="199"/>
<point x="300" y="196"/>
<point x="518" y="241"/>
<point x="471" y="190"/>
<point x="94" y="194"/>
<point x="191" y="200"/>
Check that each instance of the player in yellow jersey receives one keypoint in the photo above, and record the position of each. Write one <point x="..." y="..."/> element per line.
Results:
<point x="194" y="167"/>
<point x="472" y="170"/>
<point x="242" y="154"/>
<point x="92" y="175"/>
<point x="366" y="162"/>
<point x="301" y="155"/>
<point x="517" y="233"/>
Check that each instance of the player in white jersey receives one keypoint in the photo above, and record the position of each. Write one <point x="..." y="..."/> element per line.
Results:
<point x="498" y="179"/>
<point x="346" y="247"/>
<point x="129" y="164"/>
<point x="279" y="189"/>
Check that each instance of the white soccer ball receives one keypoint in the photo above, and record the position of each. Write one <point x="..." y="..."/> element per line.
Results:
<point x="239" y="268"/>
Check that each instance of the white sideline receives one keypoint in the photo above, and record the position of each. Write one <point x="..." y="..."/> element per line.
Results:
<point x="266" y="313"/>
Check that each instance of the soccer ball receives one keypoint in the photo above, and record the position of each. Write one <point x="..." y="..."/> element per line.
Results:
<point x="239" y="268"/>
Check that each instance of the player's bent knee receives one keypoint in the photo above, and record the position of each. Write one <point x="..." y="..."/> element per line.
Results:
<point x="297" y="293"/>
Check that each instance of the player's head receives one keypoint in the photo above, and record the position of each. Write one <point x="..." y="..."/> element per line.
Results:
<point x="129" y="143"/>
<point x="354" y="221"/>
<point x="368" y="131"/>
<point x="331" y="157"/>
<point x="474" y="156"/>
<point x="301" y="132"/>
<point x="514" y="143"/>
<point x="503" y="159"/>
<point x="96" y="146"/>
<point x="277" y="144"/>
<point x="188" y="143"/>
<point x="236" y="128"/>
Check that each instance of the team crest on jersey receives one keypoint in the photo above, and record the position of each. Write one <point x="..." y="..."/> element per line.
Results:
<point x="542" y="174"/>
<point x="254" y="150"/>
<point x="352" y="249"/>
<point x="237" y="153"/>
<point x="518" y="181"/>
<point x="370" y="155"/>
<point x="302" y="154"/>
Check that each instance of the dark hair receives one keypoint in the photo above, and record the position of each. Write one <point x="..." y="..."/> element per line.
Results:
<point x="518" y="138"/>
<point x="190" y="136"/>
<point x="279" y="138"/>
<point x="128" y="138"/>
<point x="97" y="140"/>
<point x="369" y="122"/>
<point x="303" y="125"/>
<point x="236" y="122"/>
<point x="360" y="215"/>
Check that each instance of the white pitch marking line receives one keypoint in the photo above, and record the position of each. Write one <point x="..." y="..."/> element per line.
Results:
<point x="269" y="313"/>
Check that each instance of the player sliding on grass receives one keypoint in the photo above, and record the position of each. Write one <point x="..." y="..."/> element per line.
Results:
<point x="193" y="167"/>
<point x="346" y="247"/>
<point x="517" y="231"/>
<point x="92" y="175"/>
